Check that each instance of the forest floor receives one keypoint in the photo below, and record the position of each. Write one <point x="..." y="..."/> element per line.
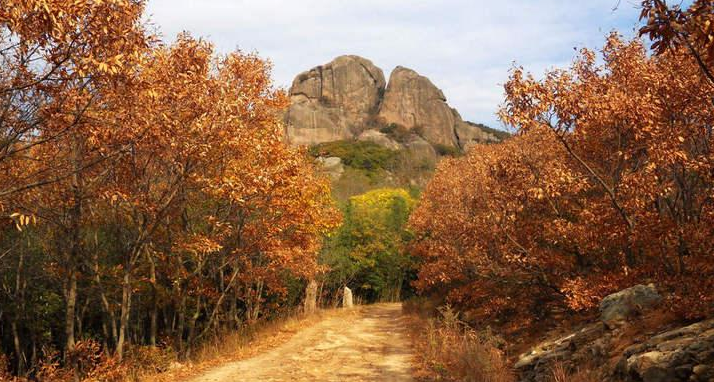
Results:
<point x="370" y="343"/>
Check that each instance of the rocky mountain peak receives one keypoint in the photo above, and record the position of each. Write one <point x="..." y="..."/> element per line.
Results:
<point x="413" y="101"/>
<point x="348" y="98"/>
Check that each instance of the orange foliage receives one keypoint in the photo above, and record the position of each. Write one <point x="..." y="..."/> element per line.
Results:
<point x="690" y="30"/>
<point x="607" y="184"/>
<point x="152" y="174"/>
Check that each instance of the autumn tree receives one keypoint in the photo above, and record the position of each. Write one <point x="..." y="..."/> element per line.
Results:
<point x="487" y="237"/>
<point x="607" y="184"/>
<point x="691" y="30"/>
<point x="54" y="58"/>
<point x="55" y="61"/>
<point x="207" y="134"/>
<point x="143" y="182"/>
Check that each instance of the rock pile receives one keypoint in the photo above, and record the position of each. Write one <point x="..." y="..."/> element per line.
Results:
<point x="680" y="355"/>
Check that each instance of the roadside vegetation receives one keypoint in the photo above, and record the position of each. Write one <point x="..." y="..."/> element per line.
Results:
<point x="369" y="166"/>
<point x="606" y="184"/>
<point x="149" y="204"/>
<point x="151" y="214"/>
<point x="368" y="253"/>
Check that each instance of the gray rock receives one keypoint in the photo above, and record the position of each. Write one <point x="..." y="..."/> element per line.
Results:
<point x="677" y="355"/>
<point x="683" y="354"/>
<point x="310" y="123"/>
<point x="617" y="307"/>
<point x="422" y="152"/>
<point x="348" y="96"/>
<point x="333" y="101"/>
<point x="379" y="138"/>
<point x="468" y="134"/>
<point x="332" y="166"/>
<point x="572" y="349"/>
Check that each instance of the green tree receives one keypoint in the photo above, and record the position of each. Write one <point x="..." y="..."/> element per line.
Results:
<point x="368" y="253"/>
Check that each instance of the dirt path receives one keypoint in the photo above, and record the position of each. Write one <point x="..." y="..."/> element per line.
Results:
<point x="367" y="344"/>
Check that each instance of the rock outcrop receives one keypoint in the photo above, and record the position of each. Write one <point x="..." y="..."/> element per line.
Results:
<point x="349" y="99"/>
<point x="469" y="134"/>
<point x="412" y="101"/>
<point x="333" y="101"/>
<point x="421" y="151"/>
<point x="576" y="348"/>
<point x="618" y="307"/>
<point x="376" y="136"/>
<point x="681" y="355"/>
<point x="331" y="166"/>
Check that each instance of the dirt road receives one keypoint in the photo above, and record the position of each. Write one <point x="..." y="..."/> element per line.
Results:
<point x="367" y="344"/>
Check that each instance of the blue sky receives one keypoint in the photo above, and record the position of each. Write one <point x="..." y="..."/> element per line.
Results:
<point x="466" y="47"/>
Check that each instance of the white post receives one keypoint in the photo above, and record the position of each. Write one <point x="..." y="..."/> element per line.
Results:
<point x="347" y="298"/>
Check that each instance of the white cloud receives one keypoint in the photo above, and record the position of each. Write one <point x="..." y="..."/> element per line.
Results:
<point x="464" y="46"/>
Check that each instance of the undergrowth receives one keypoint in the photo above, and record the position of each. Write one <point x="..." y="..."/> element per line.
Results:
<point x="449" y="350"/>
<point x="160" y="363"/>
<point x="360" y="155"/>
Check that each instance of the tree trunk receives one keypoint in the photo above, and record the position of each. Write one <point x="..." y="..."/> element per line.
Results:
<point x="154" y="315"/>
<point x="125" y="309"/>
<point x="80" y="318"/>
<point x="154" y="324"/>
<point x="20" y="306"/>
<point x="254" y="311"/>
<point x="18" y="348"/>
<point x="108" y="311"/>
<point x="319" y="302"/>
<point x="71" y="303"/>
<point x="180" y="325"/>
<point x="75" y="221"/>
<point x="192" y="327"/>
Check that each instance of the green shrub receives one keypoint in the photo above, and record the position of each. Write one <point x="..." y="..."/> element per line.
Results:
<point x="445" y="150"/>
<point x="358" y="155"/>
<point x="397" y="132"/>
<point x="418" y="130"/>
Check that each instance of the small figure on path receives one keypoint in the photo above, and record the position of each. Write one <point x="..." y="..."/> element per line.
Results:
<point x="347" y="298"/>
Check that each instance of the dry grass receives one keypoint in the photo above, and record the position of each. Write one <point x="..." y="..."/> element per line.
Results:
<point x="560" y="373"/>
<point x="150" y="363"/>
<point x="448" y="350"/>
<point x="234" y="346"/>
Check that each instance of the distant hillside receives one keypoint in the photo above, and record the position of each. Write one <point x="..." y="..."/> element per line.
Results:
<point x="500" y="134"/>
<point x="339" y="107"/>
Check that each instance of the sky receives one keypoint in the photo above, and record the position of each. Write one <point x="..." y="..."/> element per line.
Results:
<point x="466" y="47"/>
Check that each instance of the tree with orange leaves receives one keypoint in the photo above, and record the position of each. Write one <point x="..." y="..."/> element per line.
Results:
<point x="610" y="186"/>
<point x="206" y="129"/>
<point x="690" y="30"/>
<point x="57" y="59"/>
<point x="157" y="180"/>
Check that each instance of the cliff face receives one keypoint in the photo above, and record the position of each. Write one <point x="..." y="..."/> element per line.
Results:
<point x="349" y="99"/>
<point x="334" y="101"/>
